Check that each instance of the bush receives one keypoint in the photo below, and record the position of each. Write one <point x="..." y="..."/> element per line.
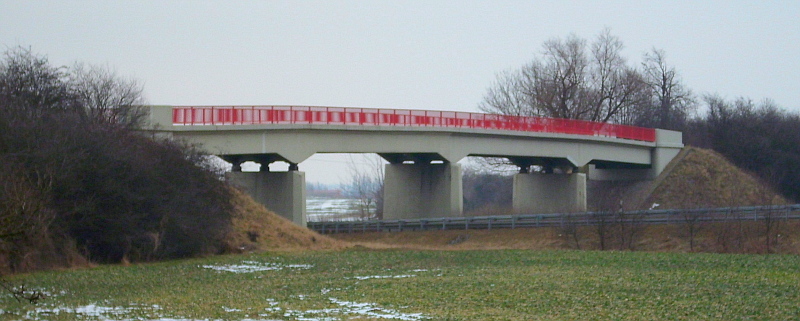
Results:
<point x="79" y="177"/>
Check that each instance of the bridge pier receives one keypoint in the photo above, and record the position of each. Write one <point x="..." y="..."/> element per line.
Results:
<point x="536" y="193"/>
<point x="281" y="192"/>
<point x="422" y="191"/>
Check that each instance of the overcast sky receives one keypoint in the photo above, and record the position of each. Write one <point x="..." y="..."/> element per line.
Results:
<point x="439" y="55"/>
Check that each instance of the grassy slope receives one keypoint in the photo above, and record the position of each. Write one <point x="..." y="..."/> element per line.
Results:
<point x="258" y="229"/>
<point x="695" y="178"/>
<point x="441" y="285"/>
<point x="704" y="178"/>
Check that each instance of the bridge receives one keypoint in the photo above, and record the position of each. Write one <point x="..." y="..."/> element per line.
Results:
<point x="423" y="177"/>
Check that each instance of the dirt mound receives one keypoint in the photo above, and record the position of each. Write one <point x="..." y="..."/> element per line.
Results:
<point x="695" y="178"/>
<point x="703" y="178"/>
<point x="257" y="229"/>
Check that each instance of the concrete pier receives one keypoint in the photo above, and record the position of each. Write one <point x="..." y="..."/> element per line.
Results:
<point x="281" y="192"/>
<point x="422" y="190"/>
<point x="536" y="193"/>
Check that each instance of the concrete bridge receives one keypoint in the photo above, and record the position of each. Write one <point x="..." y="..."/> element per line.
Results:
<point x="422" y="178"/>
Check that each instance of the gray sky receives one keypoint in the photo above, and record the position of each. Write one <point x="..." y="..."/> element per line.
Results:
<point x="439" y="55"/>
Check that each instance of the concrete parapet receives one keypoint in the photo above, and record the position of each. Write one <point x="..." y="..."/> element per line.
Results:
<point x="281" y="192"/>
<point x="549" y="193"/>
<point x="668" y="144"/>
<point x="422" y="191"/>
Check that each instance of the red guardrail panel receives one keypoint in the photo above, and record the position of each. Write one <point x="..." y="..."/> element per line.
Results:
<point x="249" y="115"/>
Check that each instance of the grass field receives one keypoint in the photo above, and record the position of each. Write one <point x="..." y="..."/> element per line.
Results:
<point x="424" y="285"/>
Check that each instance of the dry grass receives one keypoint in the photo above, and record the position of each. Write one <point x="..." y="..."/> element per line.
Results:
<point x="257" y="229"/>
<point x="538" y="239"/>
<point x="704" y="178"/>
<point x="736" y="237"/>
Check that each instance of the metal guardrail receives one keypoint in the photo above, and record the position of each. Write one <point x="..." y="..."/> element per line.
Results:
<point x="255" y="115"/>
<point x="680" y="216"/>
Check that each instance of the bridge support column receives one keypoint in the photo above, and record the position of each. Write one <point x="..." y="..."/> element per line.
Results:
<point x="549" y="193"/>
<point x="422" y="191"/>
<point x="281" y="192"/>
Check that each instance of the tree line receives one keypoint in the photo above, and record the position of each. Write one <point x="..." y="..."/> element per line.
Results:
<point x="81" y="181"/>
<point x="760" y="138"/>
<point x="573" y="78"/>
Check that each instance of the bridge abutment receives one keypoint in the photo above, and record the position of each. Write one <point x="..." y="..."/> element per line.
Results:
<point x="668" y="145"/>
<point x="536" y="193"/>
<point x="422" y="191"/>
<point x="281" y="192"/>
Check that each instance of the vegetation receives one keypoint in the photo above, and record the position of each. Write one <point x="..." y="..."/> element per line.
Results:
<point x="425" y="285"/>
<point x="575" y="79"/>
<point x="742" y="235"/>
<point x="365" y="185"/>
<point x="704" y="178"/>
<point x="485" y="192"/>
<point x="81" y="183"/>
<point x="255" y="228"/>
<point x="759" y="138"/>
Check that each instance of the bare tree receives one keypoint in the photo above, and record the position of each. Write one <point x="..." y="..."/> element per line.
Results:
<point x="570" y="80"/>
<point x="771" y="218"/>
<point x="617" y="88"/>
<point x="366" y="186"/>
<point x="21" y="292"/>
<point x="506" y="97"/>
<point x="31" y="88"/>
<point x="692" y="223"/>
<point x="601" y="220"/>
<point x="671" y="103"/>
<point x="571" y="229"/>
<point x="486" y="191"/>
<point x="107" y="97"/>
<point x="629" y="228"/>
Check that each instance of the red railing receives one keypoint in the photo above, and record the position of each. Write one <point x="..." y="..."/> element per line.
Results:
<point x="255" y="115"/>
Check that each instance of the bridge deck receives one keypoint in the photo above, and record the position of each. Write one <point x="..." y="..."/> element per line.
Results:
<point x="255" y="115"/>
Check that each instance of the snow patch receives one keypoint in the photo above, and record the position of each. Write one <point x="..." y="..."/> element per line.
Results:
<point x="345" y="308"/>
<point x="93" y="311"/>
<point x="383" y="277"/>
<point x="252" y="266"/>
<point x="372" y="310"/>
